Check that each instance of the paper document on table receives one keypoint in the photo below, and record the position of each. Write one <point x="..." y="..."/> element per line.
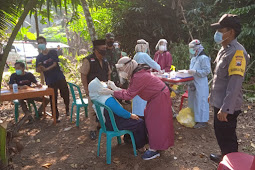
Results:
<point x="5" y="91"/>
<point x="183" y="74"/>
<point x="183" y="71"/>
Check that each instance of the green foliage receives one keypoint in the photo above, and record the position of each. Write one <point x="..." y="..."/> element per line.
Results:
<point x="201" y="13"/>
<point x="33" y="65"/>
<point x="102" y="18"/>
<point x="248" y="30"/>
<point x="11" y="69"/>
<point x="8" y="15"/>
<point x="79" y="58"/>
<point x="56" y="33"/>
<point x="150" y="20"/>
<point x="70" y="69"/>
<point x="180" y="54"/>
<point x="24" y="31"/>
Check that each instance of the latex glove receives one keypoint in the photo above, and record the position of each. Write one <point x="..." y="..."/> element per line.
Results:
<point x="192" y="72"/>
<point x="161" y="72"/>
<point x="112" y="85"/>
<point x="105" y="91"/>
<point x="39" y="85"/>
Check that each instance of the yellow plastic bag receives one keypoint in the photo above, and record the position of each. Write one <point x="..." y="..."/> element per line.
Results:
<point x="175" y="87"/>
<point x="186" y="117"/>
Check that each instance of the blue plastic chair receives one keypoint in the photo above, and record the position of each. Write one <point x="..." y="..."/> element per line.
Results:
<point x="110" y="134"/>
<point x="16" y="108"/>
<point x="81" y="102"/>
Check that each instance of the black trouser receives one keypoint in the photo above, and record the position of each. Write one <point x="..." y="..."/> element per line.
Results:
<point x="64" y="93"/>
<point x="225" y="132"/>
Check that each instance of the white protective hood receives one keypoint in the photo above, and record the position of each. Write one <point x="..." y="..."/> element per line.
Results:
<point x="94" y="87"/>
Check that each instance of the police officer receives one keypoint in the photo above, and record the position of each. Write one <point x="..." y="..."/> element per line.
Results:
<point x="112" y="56"/>
<point x="94" y="65"/>
<point x="226" y="94"/>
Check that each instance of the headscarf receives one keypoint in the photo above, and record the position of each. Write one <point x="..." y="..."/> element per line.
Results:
<point x="164" y="43"/>
<point x="197" y="46"/>
<point x="127" y="65"/>
<point x="142" y="46"/>
<point x="94" y="87"/>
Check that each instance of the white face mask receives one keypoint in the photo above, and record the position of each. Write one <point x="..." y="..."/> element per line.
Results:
<point x="162" y="48"/>
<point x="116" y="45"/>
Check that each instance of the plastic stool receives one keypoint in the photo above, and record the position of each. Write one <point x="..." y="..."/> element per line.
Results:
<point x="185" y="95"/>
<point x="236" y="161"/>
<point x="16" y="108"/>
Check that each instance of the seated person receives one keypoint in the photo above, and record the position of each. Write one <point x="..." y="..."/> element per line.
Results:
<point x="124" y="120"/>
<point x="24" y="80"/>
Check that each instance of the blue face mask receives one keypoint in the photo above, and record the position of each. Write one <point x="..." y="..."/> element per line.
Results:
<point x="42" y="46"/>
<point x="19" y="72"/>
<point x="218" y="37"/>
<point x="192" y="51"/>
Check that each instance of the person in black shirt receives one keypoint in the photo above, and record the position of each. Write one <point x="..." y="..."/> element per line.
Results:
<point x="24" y="80"/>
<point x="59" y="51"/>
<point x="94" y="65"/>
<point x="47" y="62"/>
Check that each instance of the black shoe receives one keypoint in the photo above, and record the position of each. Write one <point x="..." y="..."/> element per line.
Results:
<point x="216" y="158"/>
<point x="67" y="114"/>
<point x="93" y="135"/>
<point x="58" y="121"/>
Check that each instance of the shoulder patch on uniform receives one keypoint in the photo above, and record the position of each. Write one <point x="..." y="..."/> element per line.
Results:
<point x="237" y="64"/>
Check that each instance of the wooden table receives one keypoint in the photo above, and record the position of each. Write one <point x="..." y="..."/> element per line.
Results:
<point x="31" y="93"/>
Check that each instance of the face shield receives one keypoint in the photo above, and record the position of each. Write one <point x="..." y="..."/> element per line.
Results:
<point x="161" y="45"/>
<point x="193" y="47"/>
<point x="122" y="69"/>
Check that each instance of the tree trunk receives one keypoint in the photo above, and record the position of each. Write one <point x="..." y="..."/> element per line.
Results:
<point x="29" y="6"/>
<point x="3" y="133"/>
<point x="89" y="20"/>
<point x="184" y="18"/>
<point x="36" y="24"/>
<point x="37" y="35"/>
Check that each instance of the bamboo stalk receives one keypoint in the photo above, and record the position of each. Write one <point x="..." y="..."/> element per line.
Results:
<point x="3" y="133"/>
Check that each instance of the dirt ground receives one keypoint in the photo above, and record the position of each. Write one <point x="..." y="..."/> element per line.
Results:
<point x="65" y="147"/>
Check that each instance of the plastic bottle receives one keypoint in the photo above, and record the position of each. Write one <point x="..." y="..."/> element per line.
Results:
<point x="15" y="87"/>
<point x="172" y="74"/>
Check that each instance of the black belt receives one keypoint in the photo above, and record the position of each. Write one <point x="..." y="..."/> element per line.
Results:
<point x="163" y="88"/>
